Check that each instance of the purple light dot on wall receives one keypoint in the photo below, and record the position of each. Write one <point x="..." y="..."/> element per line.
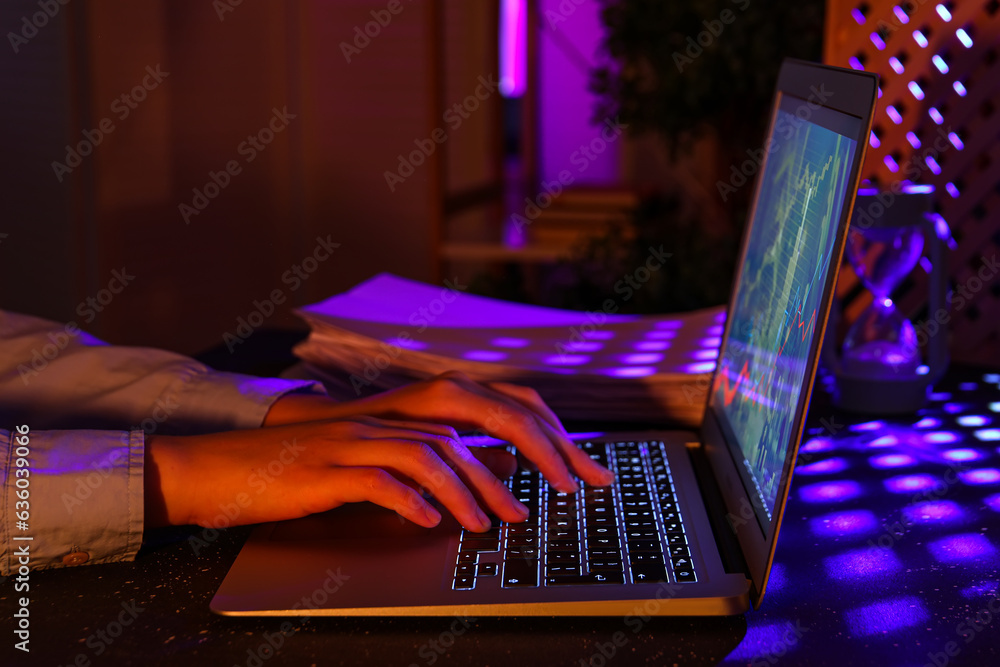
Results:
<point x="583" y="346"/>
<point x="963" y="547"/>
<point x="841" y="524"/>
<point x="928" y="422"/>
<point x="912" y="138"/>
<point x="890" y="163"/>
<point x="830" y="492"/>
<point x="700" y="367"/>
<point x="826" y="467"/>
<point x="953" y="191"/>
<point x="597" y="335"/>
<point x="943" y="13"/>
<point x="960" y="88"/>
<point x="915" y="90"/>
<point x="884" y="617"/>
<point x="855" y="63"/>
<point x="506" y="341"/>
<point x="940" y="437"/>
<point x="720" y="317"/>
<point x="669" y="324"/>
<point x="932" y="164"/>
<point x="892" y="461"/>
<point x="873" y="140"/>
<point x="963" y="454"/>
<point x="705" y="354"/>
<point x="661" y="335"/>
<point x="711" y="341"/>
<point x="940" y="64"/>
<point x="964" y="38"/>
<point x="980" y="476"/>
<point x="817" y="445"/>
<point x="955" y="140"/>
<point x="901" y="14"/>
<point x="858" y="16"/>
<point x="877" y="41"/>
<point x="896" y="66"/>
<point x="644" y="358"/>
<point x="862" y="564"/>
<point x="566" y="360"/>
<point x="484" y="355"/>
<point x="911" y="483"/>
<point x="936" y="511"/>
<point x="651" y="345"/>
<point x="630" y="371"/>
<point x="714" y="331"/>
<point x="893" y="113"/>
<point x="867" y="426"/>
<point x="988" y="434"/>
<point x="407" y="343"/>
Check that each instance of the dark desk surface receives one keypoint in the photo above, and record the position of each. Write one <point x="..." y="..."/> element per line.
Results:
<point x="890" y="543"/>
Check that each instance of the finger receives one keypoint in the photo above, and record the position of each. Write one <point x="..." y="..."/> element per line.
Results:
<point x="529" y="398"/>
<point x="477" y="477"/>
<point x="413" y="457"/>
<point x="359" y="484"/>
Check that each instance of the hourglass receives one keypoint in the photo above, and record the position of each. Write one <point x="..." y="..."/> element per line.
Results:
<point x="881" y="369"/>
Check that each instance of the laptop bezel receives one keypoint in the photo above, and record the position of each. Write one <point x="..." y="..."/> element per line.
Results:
<point x="853" y="93"/>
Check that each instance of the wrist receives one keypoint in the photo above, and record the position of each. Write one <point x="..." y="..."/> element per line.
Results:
<point x="166" y="491"/>
<point x="296" y="408"/>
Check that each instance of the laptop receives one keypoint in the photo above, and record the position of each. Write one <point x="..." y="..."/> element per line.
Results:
<point x="690" y="525"/>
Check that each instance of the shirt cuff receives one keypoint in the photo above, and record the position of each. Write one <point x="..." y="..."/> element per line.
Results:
<point x="79" y="501"/>
<point x="207" y="401"/>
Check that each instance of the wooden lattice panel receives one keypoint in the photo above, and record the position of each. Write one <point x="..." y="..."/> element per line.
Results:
<point x="937" y="123"/>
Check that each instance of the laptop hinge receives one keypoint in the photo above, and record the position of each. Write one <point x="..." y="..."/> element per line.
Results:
<point x="729" y="547"/>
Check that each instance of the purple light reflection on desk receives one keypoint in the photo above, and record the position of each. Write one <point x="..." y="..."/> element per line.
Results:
<point x="407" y="343"/>
<point x="700" y="367"/>
<point x="988" y="434"/>
<point x="911" y="483"/>
<point x="817" y="445"/>
<point x="566" y="360"/>
<point x="484" y="355"/>
<point x="963" y="454"/>
<point x="651" y="345"/>
<point x="597" y="335"/>
<point x="934" y="511"/>
<point x="940" y="437"/>
<point x="993" y="502"/>
<point x="711" y="341"/>
<point x="972" y="420"/>
<point x="892" y="461"/>
<point x="668" y="324"/>
<point x="883" y="617"/>
<point x="862" y="564"/>
<point x="954" y="408"/>
<point x="830" y="492"/>
<point x="661" y="335"/>
<point x="630" y="371"/>
<point x="980" y="476"/>
<point x="866" y="426"/>
<point x="583" y="346"/>
<point x="842" y="524"/>
<point x="714" y="330"/>
<point x="644" y="358"/>
<point x="508" y="341"/>
<point x="958" y="548"/>
<point x="826" y="467"/>
<point x="705" y="354"/>
<point x="928" y="422"/>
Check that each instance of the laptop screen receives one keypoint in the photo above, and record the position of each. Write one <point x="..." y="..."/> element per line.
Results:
<point x="758" y="386"/>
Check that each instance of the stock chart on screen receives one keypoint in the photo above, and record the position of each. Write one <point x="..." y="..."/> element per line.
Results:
<point x="780" y="289"/>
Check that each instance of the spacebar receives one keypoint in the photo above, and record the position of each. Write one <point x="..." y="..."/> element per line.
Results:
<point x="582" y="579"/>
<point x="520" y="572"/>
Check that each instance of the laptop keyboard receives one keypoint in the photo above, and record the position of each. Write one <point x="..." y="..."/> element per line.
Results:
<point x="631" y="531"/>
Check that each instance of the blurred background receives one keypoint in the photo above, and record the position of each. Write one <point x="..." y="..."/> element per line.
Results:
<point x="172" y="167"/>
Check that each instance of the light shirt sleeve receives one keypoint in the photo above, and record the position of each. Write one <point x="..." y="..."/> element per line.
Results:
<point x="87" y="406"/>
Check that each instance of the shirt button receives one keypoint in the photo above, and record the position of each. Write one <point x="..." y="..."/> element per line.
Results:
<point x="76" y="558"/>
